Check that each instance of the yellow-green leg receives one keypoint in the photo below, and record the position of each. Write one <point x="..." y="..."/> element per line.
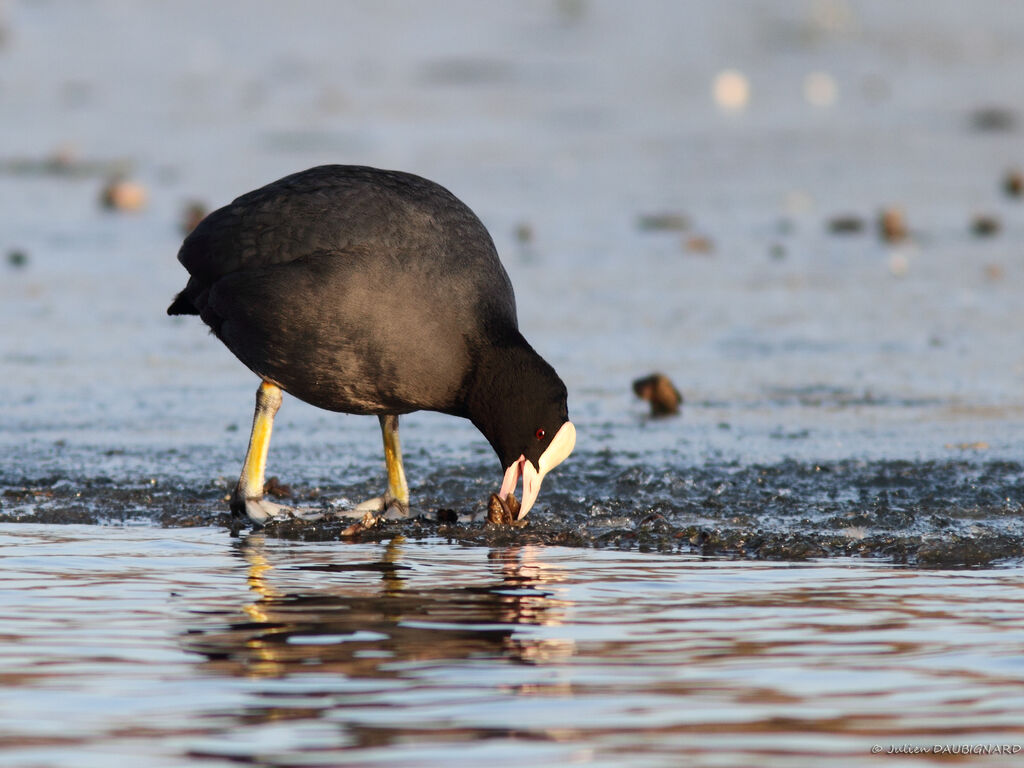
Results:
<point x="397" y="494"/>
<point x="248" y="495"/>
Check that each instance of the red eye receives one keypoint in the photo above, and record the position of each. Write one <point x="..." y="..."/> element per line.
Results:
<point x="541" y="433"/>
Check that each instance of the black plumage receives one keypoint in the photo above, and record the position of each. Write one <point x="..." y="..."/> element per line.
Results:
<point x="373" y="292"/>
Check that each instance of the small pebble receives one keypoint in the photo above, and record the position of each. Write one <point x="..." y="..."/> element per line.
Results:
<point x="1013" y="183"/>
<point x="120" y="194"/>
<point x="892" y="225"/>
<point x="699" y="244"/>
<point x="274" y="487"/>
<point x="985" y="225"/>
<point x="846" y="224"/>
<point x="731" y="89"/>
<point x="447" y="517"/>
<point x="662" y="222"/>
<point x="17" y="258"/>
<point x="820" y="89"/>
<point x="994" y="272"/>
<point x="524" y="233"/>
<point x="662" y="394"/>
<point x="369" y="520"/>
<point x="994" y="119"/>
<point x="981" y="445"/>
<point x="64" y="159"/>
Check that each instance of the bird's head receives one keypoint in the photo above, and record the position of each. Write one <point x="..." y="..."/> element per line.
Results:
<point x="535" y="461"/>
<point x="526" y="420"/>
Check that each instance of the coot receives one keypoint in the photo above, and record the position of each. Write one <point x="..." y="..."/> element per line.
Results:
<point x="373" y="292"/>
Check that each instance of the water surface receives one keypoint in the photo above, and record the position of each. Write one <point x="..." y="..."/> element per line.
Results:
<point x="189" y="646"/>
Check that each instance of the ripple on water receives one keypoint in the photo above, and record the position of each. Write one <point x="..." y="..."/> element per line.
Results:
<point x="261" y="649"/>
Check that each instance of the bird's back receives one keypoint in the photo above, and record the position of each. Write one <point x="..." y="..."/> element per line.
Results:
<point x="355" y="288"/>
<point x="335" y="208"/>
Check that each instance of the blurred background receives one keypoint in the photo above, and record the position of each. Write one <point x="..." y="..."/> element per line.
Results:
<point x="803" y="212"/>
<point x="807" y="214"/>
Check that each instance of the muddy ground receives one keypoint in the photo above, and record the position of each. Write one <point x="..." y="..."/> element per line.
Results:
<point x="931" y="513"/>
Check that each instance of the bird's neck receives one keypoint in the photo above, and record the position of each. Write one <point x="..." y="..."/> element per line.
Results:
<point x="498" y="385"/>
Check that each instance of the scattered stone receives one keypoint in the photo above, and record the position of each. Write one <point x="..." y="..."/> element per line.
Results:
<point x="731" y="89"/>
<point x="660" y="392"/>
<point x="994" y="272"/>
<point x="447" y="517"/>
<point x="368" y="521"/>
<point x="63" y="161"/>
<point x="994" y="119"/>
<point x="121" y="194"/>
<point x="524" y="233"/>
<point x="846" y="224"/>
<point x="663" y="222"/>
<point x="977" y="446"/>
<point x="274" y="487"/>
<point x="985" y="225"/>
<point x="194" y="213"/>
<point x="1013" y="183"/>
<point x="892" y="225"/>
<point x="699" y="244"/>
<point x="820" y="89"/>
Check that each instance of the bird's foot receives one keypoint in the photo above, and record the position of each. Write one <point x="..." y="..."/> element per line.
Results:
<point x="386" y="506"/>
<point x="260" y="511"/>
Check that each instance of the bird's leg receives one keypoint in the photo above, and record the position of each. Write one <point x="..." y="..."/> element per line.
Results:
<point x="396" y="497"/>
<point x="397" y="493"/>
<point x="248" y="495"/>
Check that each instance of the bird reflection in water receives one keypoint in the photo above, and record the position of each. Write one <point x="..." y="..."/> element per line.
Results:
<point x="372" y="618"/>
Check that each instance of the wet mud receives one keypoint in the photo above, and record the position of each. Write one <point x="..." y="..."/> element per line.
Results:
<point x="925" y="513"/>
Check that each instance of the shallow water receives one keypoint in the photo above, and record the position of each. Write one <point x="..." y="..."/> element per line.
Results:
<point x="851" y="429"/>
<point x="181" y="646"/>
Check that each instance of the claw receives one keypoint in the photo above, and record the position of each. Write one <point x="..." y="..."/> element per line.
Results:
<point x="376" y="504"/>
<point x="387" y="506"/>
<point x="261" y="512"/>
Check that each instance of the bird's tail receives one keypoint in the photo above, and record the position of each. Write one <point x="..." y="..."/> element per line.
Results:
<point x="182" y="305"/>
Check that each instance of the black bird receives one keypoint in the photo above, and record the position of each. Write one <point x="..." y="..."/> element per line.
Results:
<point x="373" y="292"/>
